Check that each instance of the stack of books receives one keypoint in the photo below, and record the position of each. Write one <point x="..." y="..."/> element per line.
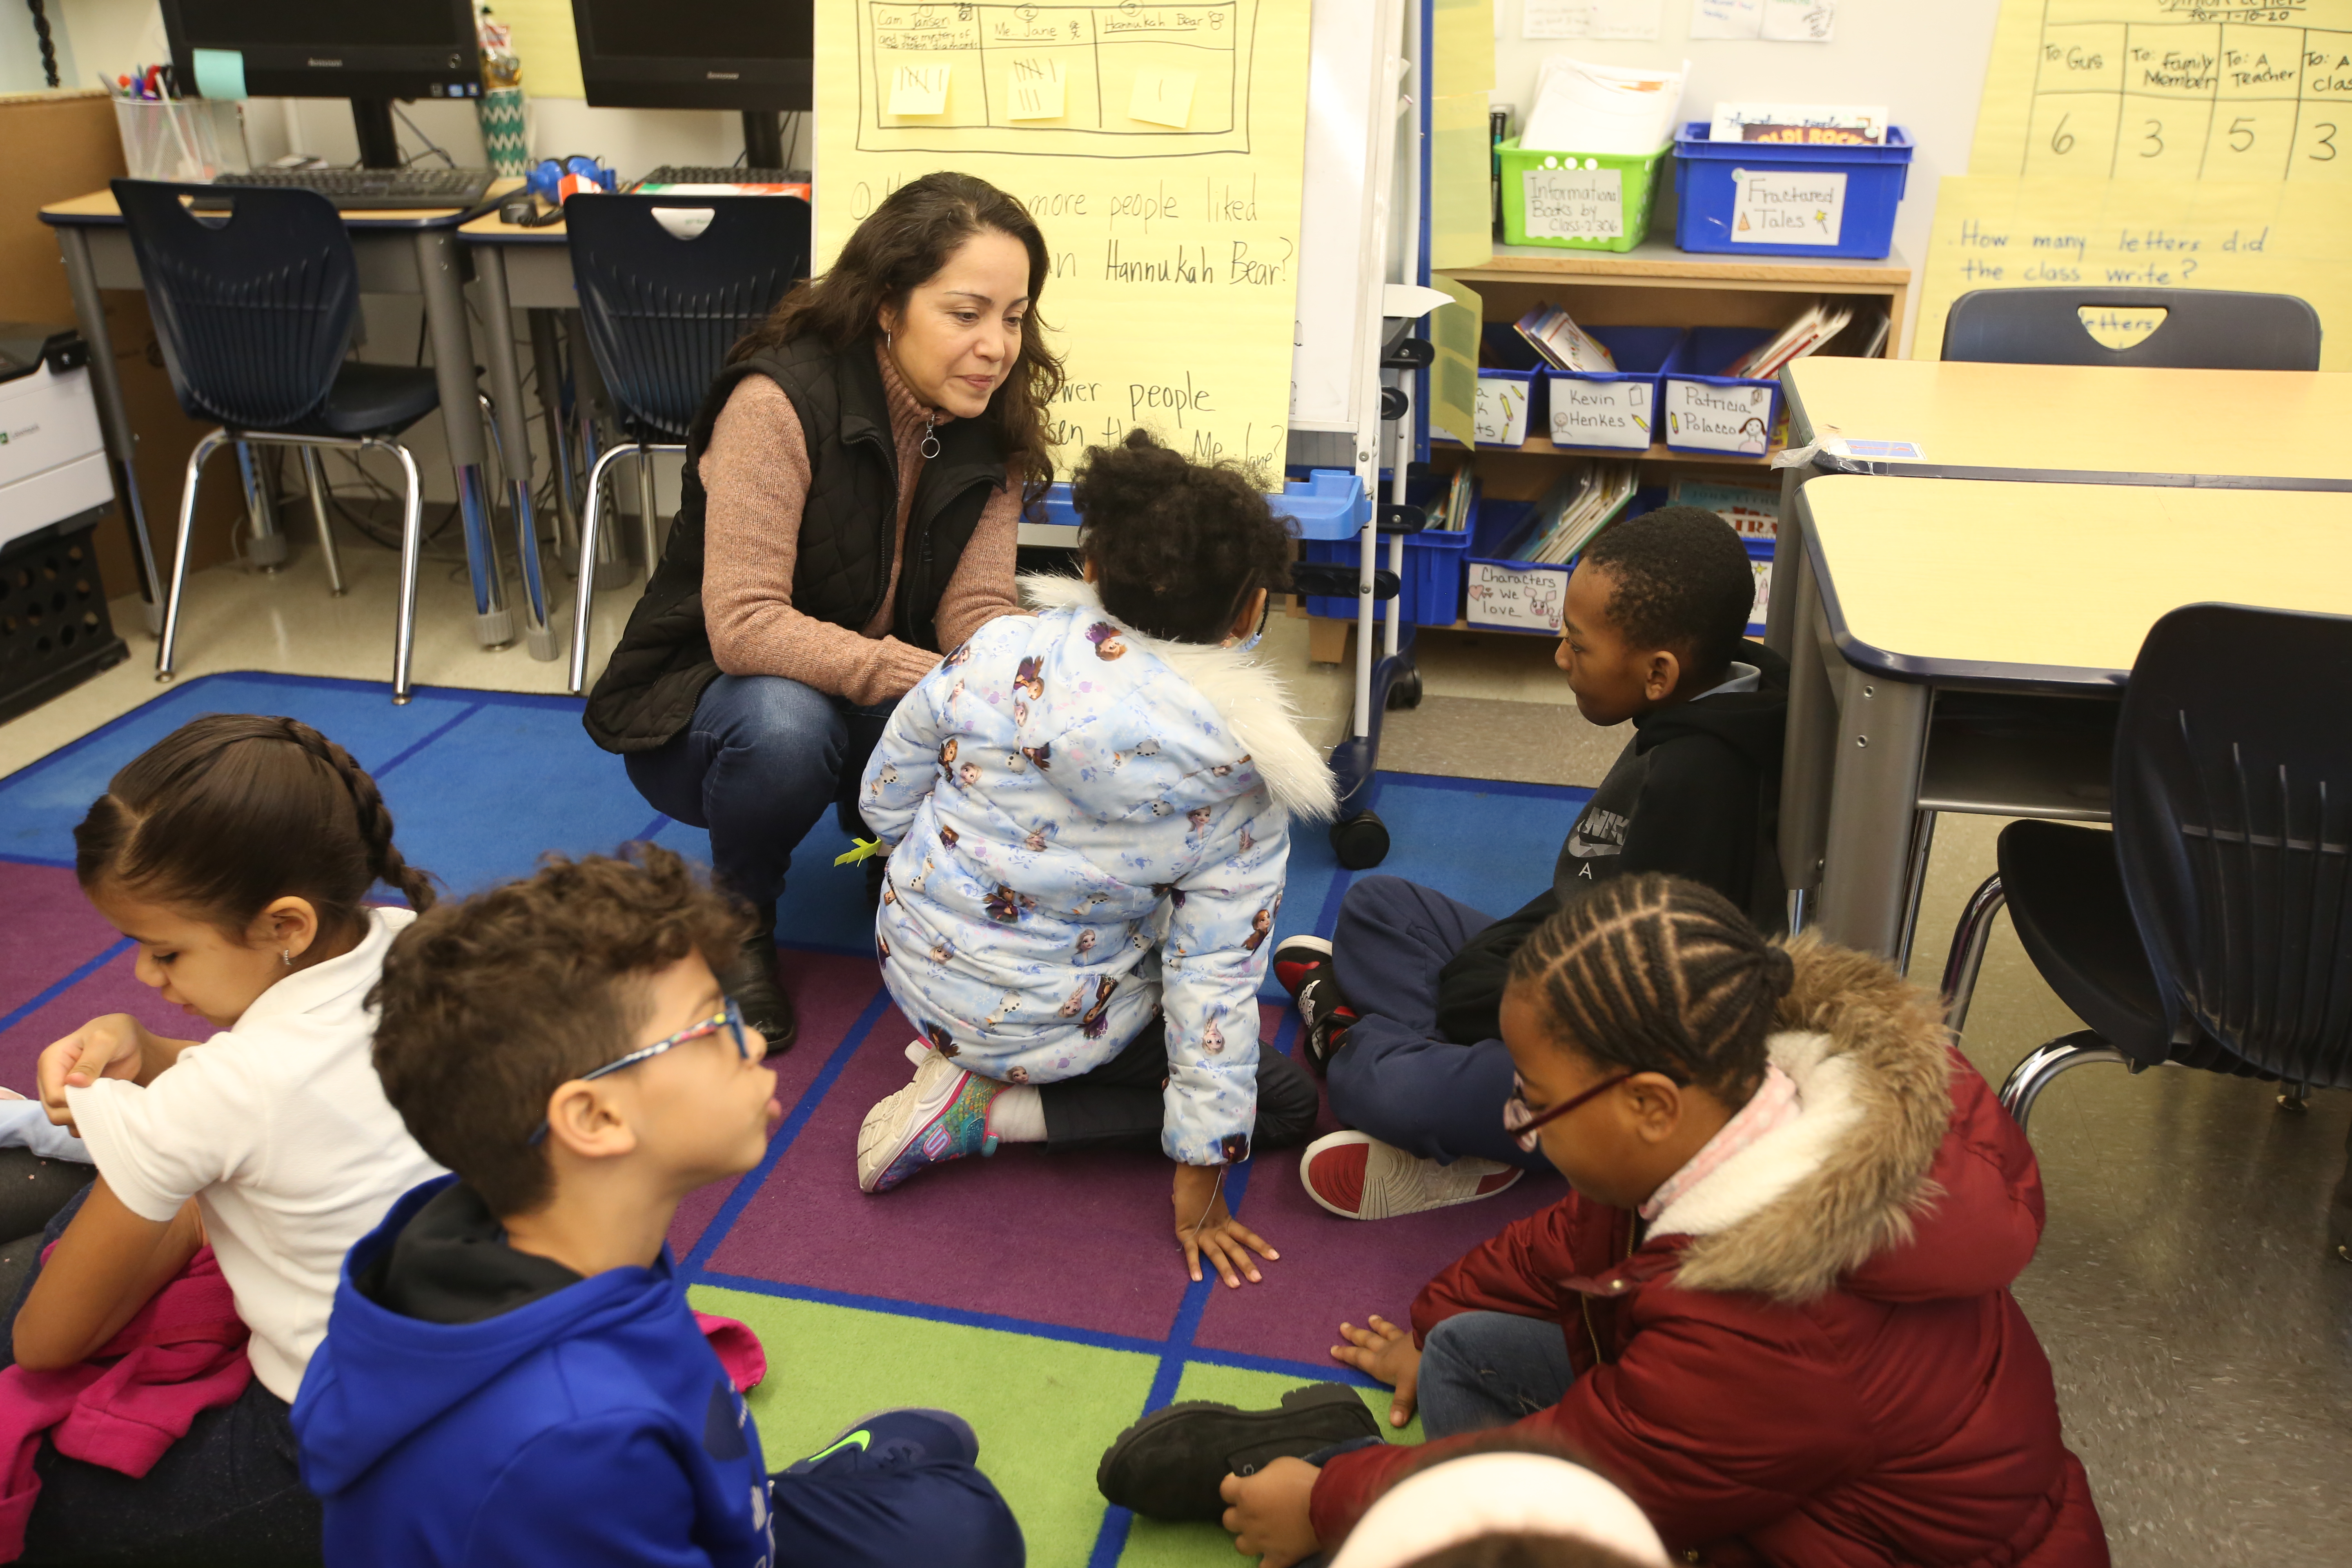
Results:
<point x="1820" y="323"/>
<point x="1571" y="514"/>
<point x="1461" y="503"/>
<point x="1560" y="343"/>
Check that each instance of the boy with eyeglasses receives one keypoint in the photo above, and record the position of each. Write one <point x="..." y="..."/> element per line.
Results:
<point x="511" y="1373"/>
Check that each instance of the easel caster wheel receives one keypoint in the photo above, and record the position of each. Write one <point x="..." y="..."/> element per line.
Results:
<point x="1406" y="693"/>
<point x="1361" y="842"/>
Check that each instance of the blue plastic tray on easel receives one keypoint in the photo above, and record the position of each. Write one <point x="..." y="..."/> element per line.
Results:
<point x="1329" y="503"/>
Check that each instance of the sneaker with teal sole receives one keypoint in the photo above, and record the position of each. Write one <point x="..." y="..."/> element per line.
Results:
<point x="942" y="1116"/>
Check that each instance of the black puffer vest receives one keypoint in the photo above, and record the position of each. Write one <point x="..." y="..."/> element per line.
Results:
<point x="847" y="534"/>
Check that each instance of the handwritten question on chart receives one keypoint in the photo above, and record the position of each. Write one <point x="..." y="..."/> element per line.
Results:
<point x="2277" y="236"/>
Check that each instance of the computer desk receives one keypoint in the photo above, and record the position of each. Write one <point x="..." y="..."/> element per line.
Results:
<point x="531" y="269"/>
<point x="398" y="252"/>
<point x="2225" y="429"/>
<point x="1965" y="648"/>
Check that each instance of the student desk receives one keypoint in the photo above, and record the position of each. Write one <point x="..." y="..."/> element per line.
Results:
<point x="2227" y="429"/>
<point x="397" y="252"/>
<point x="1952" y="655"/>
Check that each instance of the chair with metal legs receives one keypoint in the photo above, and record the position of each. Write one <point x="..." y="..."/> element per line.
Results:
<point x="254" y="310"/>
<point x="2198" y="329"/>
<point x="667" y="286"/>
<point x="2212" y="928"/>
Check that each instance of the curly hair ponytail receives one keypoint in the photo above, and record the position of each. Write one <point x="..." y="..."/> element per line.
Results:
<point x="1655" y="974"/>
<point x="233" y="811"/>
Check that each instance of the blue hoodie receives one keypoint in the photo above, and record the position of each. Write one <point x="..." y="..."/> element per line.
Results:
<point x="573" y="1421"/>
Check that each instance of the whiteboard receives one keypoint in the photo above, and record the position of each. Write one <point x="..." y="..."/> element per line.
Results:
<point x="1339" y="278"/>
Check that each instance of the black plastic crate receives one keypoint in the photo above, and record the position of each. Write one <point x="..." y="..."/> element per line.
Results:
<point x="54" y="632"/>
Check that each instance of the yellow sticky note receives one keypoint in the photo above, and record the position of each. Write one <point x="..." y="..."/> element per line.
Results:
<point x="919" y="89"/>
<point x="1163" y="97"/>
<point x="1038" y="89"/>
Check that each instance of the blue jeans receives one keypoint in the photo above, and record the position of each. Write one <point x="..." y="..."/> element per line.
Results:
<point x="759" y="762"/>
<point x="1397" y="1077"/>
<point x="907" y="1493"/>
<point x="1482" y="1370"/>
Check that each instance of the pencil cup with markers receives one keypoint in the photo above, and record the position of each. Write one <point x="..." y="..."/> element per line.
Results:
<point x="192" y="140"/>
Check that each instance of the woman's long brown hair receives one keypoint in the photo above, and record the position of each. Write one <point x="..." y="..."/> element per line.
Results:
<point x="904" y="244"/>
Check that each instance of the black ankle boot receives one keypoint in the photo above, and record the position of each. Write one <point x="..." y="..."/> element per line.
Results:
<point x="752" y="981"/>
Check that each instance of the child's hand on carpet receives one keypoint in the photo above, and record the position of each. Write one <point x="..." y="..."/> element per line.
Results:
<point x="1387" y="1352"/>
<point x="1206" y="1229"/>
<point x="1268" y="1517"/>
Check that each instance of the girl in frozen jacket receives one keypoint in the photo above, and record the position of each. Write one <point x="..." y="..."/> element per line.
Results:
<point x="1776" y="1307"/>
<point x="1089" y="815"/>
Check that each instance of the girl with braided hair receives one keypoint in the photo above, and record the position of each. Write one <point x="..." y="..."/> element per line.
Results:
<point x="235" y="853"/>
<point x="1776" y="1306"/>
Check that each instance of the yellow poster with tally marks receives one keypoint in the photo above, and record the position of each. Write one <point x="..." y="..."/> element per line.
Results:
<point x="1160" y="149"/>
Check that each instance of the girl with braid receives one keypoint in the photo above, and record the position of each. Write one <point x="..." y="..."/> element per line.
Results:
<point x="235" y="853"/>
<point x="1775" y="1309"/>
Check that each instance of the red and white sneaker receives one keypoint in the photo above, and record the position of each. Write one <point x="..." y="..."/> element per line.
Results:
<point x="1296" y="958"/>
<point x="1357" y="1176"/>
<point x="1303" y="964"/>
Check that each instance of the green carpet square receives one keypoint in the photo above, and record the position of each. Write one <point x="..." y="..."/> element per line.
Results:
<point x="1045" y="1409"/>
<point x="1152" y="1544"/>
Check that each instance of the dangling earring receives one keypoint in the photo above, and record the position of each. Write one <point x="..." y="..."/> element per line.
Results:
<point x="286" y="956"/>
<point x="887" y="338"/>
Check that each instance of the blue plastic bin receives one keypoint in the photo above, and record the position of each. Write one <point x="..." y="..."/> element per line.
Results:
<point x="1328" y="503"/>
<point x="1518" y="362"/>
<point x="1867" y="183"/>
<point x="1760" y="561"/>
<point x="1614" y="424"/>
<point x="1734" y="414"/>
<point x="1532" y="591"/>
<point x="1431" y="591"/>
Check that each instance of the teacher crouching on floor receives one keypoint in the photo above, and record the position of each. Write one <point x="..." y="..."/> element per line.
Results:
<point x="851" y="497"/>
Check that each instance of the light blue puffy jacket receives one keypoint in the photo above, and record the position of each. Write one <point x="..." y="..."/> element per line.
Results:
<point x="1091" y="825"/>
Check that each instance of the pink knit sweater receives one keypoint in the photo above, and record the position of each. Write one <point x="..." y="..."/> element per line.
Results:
<point x="756" y="474"/>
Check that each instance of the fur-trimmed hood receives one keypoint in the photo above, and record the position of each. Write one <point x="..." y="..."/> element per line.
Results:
<point x="1251" y="699"/>
<point x="1845" y="1194"/>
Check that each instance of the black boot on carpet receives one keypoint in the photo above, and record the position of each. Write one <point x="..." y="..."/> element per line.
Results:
<point x="752" y="981"/>
<point x="1172" y="1464"/>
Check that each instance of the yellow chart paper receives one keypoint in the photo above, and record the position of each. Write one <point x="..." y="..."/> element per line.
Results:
<point x="2283" y="238"/>
<point x="546" y="45"/>
<point x="2169" y="90"/>
<point x="1174" y="243"/>
<point x="1453" y="332"/>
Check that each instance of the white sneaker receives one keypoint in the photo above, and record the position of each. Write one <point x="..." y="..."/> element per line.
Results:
<point x="1357" y="1176"/>
<point x="941" y="1115"/>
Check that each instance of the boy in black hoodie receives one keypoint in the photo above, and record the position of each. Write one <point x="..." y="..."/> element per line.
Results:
<point x="1412" y="981"/>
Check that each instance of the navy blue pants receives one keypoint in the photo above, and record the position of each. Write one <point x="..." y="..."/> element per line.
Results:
<point x="1398" y="1077"/>
<point x="900" y="1488"/>
<point x="758" y="764"/>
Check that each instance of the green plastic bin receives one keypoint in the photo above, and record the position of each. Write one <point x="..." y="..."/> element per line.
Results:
<point x="1578" y="201"/>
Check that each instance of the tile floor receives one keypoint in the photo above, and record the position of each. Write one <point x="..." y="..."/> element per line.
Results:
<point x="2200" y="1334"/>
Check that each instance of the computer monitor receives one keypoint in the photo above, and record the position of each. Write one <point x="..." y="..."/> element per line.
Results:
<point x="369" y="51"/>
<point x="757" y="55"/>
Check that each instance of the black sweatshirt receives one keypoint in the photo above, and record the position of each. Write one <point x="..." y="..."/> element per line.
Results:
<point x="1694" y="793"/>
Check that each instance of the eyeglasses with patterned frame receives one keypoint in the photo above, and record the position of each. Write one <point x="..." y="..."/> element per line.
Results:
<point x="729" y="1018"/>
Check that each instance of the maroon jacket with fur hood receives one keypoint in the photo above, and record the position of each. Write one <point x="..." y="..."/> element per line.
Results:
<point x="1812" y="1358"/>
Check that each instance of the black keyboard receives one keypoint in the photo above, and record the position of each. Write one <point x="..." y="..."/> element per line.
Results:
<point x="375" y="189"/>
<point x="710" y="174"/>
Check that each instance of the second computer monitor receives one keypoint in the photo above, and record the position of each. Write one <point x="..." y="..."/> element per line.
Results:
<point x="695" y="54"/>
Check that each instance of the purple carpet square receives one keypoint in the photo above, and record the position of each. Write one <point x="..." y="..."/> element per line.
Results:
<point x="50" y="932"/>
<point x="112" y="989"/>
<point x="830" y="992"/>
<point x="1335" y="1271"/>
<point x="1078" y="1240"/>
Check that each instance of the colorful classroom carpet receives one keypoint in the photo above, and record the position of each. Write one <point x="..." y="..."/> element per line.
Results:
<point x="1043" y="1298"/>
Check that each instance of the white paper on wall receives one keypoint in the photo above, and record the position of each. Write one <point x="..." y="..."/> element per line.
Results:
<point x="1727" y="18"/>
<point x="1800" y="21"/>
